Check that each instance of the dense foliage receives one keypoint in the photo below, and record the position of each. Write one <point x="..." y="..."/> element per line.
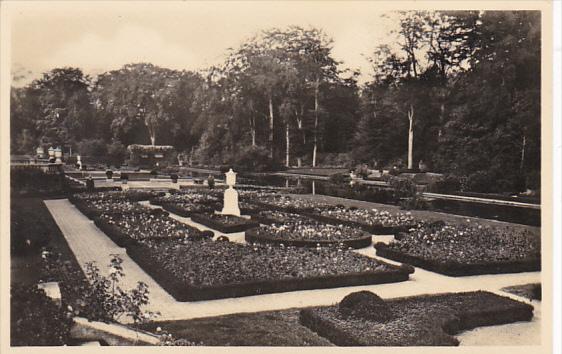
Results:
<point x="468" y="81"/>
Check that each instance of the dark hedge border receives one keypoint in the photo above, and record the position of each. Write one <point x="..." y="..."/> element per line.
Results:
<point x="457" y="269"/>
<point x="464" y="319"/>
<point x="374" y="229"/>
<point x="178" y="210"/>
<point x="224" y="228"/>
<point x="186" y="292"/>
<point x="254" y="235"/>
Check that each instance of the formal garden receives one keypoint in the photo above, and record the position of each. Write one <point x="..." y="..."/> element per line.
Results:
<point x="276" y="200"/>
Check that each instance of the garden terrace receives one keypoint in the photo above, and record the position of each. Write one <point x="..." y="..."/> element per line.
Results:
<point x="466" y="250"/>
<point x="202" y="270"/>
<point x="371" y="220"/>
<point x="427" y="320"/>
<point x="224" y="223"/>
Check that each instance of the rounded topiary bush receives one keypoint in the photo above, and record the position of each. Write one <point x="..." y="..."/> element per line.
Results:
<point x="223" y="239"/>
<point x="365" y="305"/>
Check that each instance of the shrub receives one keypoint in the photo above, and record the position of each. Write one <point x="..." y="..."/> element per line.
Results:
<point x="108" y="301"/>
<point x="253" y="159"/>
<point x="362" y="170"/>
<point x="174" y="177"/>
<point x="109" y="174"/>
<point x="116" y="153"/>
<point x="125" y="176"/>
<point x="482" y="182"/>
<point x="35" y="319"/>
<point x="339" y="178"/>
<point x="365" y="305"/>
<point x="449" y="184"/>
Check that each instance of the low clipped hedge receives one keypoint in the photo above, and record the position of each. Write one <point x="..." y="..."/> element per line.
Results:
<point x="215" y="224"/>
<point x="374" y="229"/>
<point x="258" y="236"/>
<point x="458" y="269"/>
<point x="187" y="292"/>
<point x="426" y="320"/>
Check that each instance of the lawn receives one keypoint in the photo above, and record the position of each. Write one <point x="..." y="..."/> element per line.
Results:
<point x="271" y="328"/>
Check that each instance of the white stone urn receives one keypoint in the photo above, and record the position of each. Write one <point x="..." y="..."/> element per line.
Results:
<point x="230" y="195"/>
<point x="58" y="155"/>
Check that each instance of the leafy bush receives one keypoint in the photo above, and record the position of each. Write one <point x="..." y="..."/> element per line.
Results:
<point x="93" y="147"/>
<point x="116" y="153"/>
<point x="339" y="178"/>
<point x="27" y="234"/>
<point x="109" y="174"/>
<point x="449" y="184"/>
<point x="365" y="305"/>
<point x="34" y="180"/>
<point x="35" y="319"/>
<point x="482" y="182"/>
<point x="108" y="301"/>
<point x="253" y="159"/>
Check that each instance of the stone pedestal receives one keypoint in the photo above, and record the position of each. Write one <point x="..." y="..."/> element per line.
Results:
<point x="231" y="202"/>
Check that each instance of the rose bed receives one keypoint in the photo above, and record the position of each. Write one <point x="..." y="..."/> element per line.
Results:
<point x="427" y="320"/>
<point x="295" y="230"/>
<point x="224" y="223"/>
<point x="204" y="270"/>
<point x="466" y="250"/>
<point x="371" y="220"/>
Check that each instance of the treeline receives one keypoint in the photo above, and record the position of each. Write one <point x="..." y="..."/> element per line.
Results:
<point x="464" y="85"/>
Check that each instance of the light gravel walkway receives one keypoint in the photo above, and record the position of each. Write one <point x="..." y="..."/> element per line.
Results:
<point x="90" y="244"/>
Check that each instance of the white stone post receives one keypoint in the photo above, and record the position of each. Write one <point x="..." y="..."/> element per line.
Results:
<point x="230" y="196"/>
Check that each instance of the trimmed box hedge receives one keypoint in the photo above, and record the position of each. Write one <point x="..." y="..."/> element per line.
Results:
<point x="426" y="320"/>
<point x="458" y="269"/>
<point x="242" y="225"/>
<point x="255" y="235"/>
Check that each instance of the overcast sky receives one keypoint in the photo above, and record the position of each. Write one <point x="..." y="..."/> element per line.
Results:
<point x="187" y="35"/>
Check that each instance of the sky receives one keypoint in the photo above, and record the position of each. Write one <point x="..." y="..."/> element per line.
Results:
<point x="101" y="36"/>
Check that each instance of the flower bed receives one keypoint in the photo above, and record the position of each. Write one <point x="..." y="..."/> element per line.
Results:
<point x="204" y="270"/>
<point x="128" y="223"/>
<point x="371" y="220"/>
<point x="287" y="204"/>
<point x="296" y="230"/>
<point x="427" y="320"/>
<point x="466" y="250"/>
<point x="186" y="209"/>
<point x="224" y="223"/>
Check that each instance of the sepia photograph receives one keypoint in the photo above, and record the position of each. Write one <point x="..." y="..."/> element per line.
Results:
<point x="277" y="174"/>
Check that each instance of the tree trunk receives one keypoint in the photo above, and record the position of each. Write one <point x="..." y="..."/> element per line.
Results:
<point x="522" y="163"/>
<point x="411" y="138"/>
<point x="152" y="139"/>
<point x="253" y="131"/>
<point x="288" y="148"/>
<point x="315" y="149"/>
<point x="271" y="126"/>
<point x="441" y="120"/>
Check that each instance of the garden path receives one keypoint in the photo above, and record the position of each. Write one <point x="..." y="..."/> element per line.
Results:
<point x="90" y="244"/>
